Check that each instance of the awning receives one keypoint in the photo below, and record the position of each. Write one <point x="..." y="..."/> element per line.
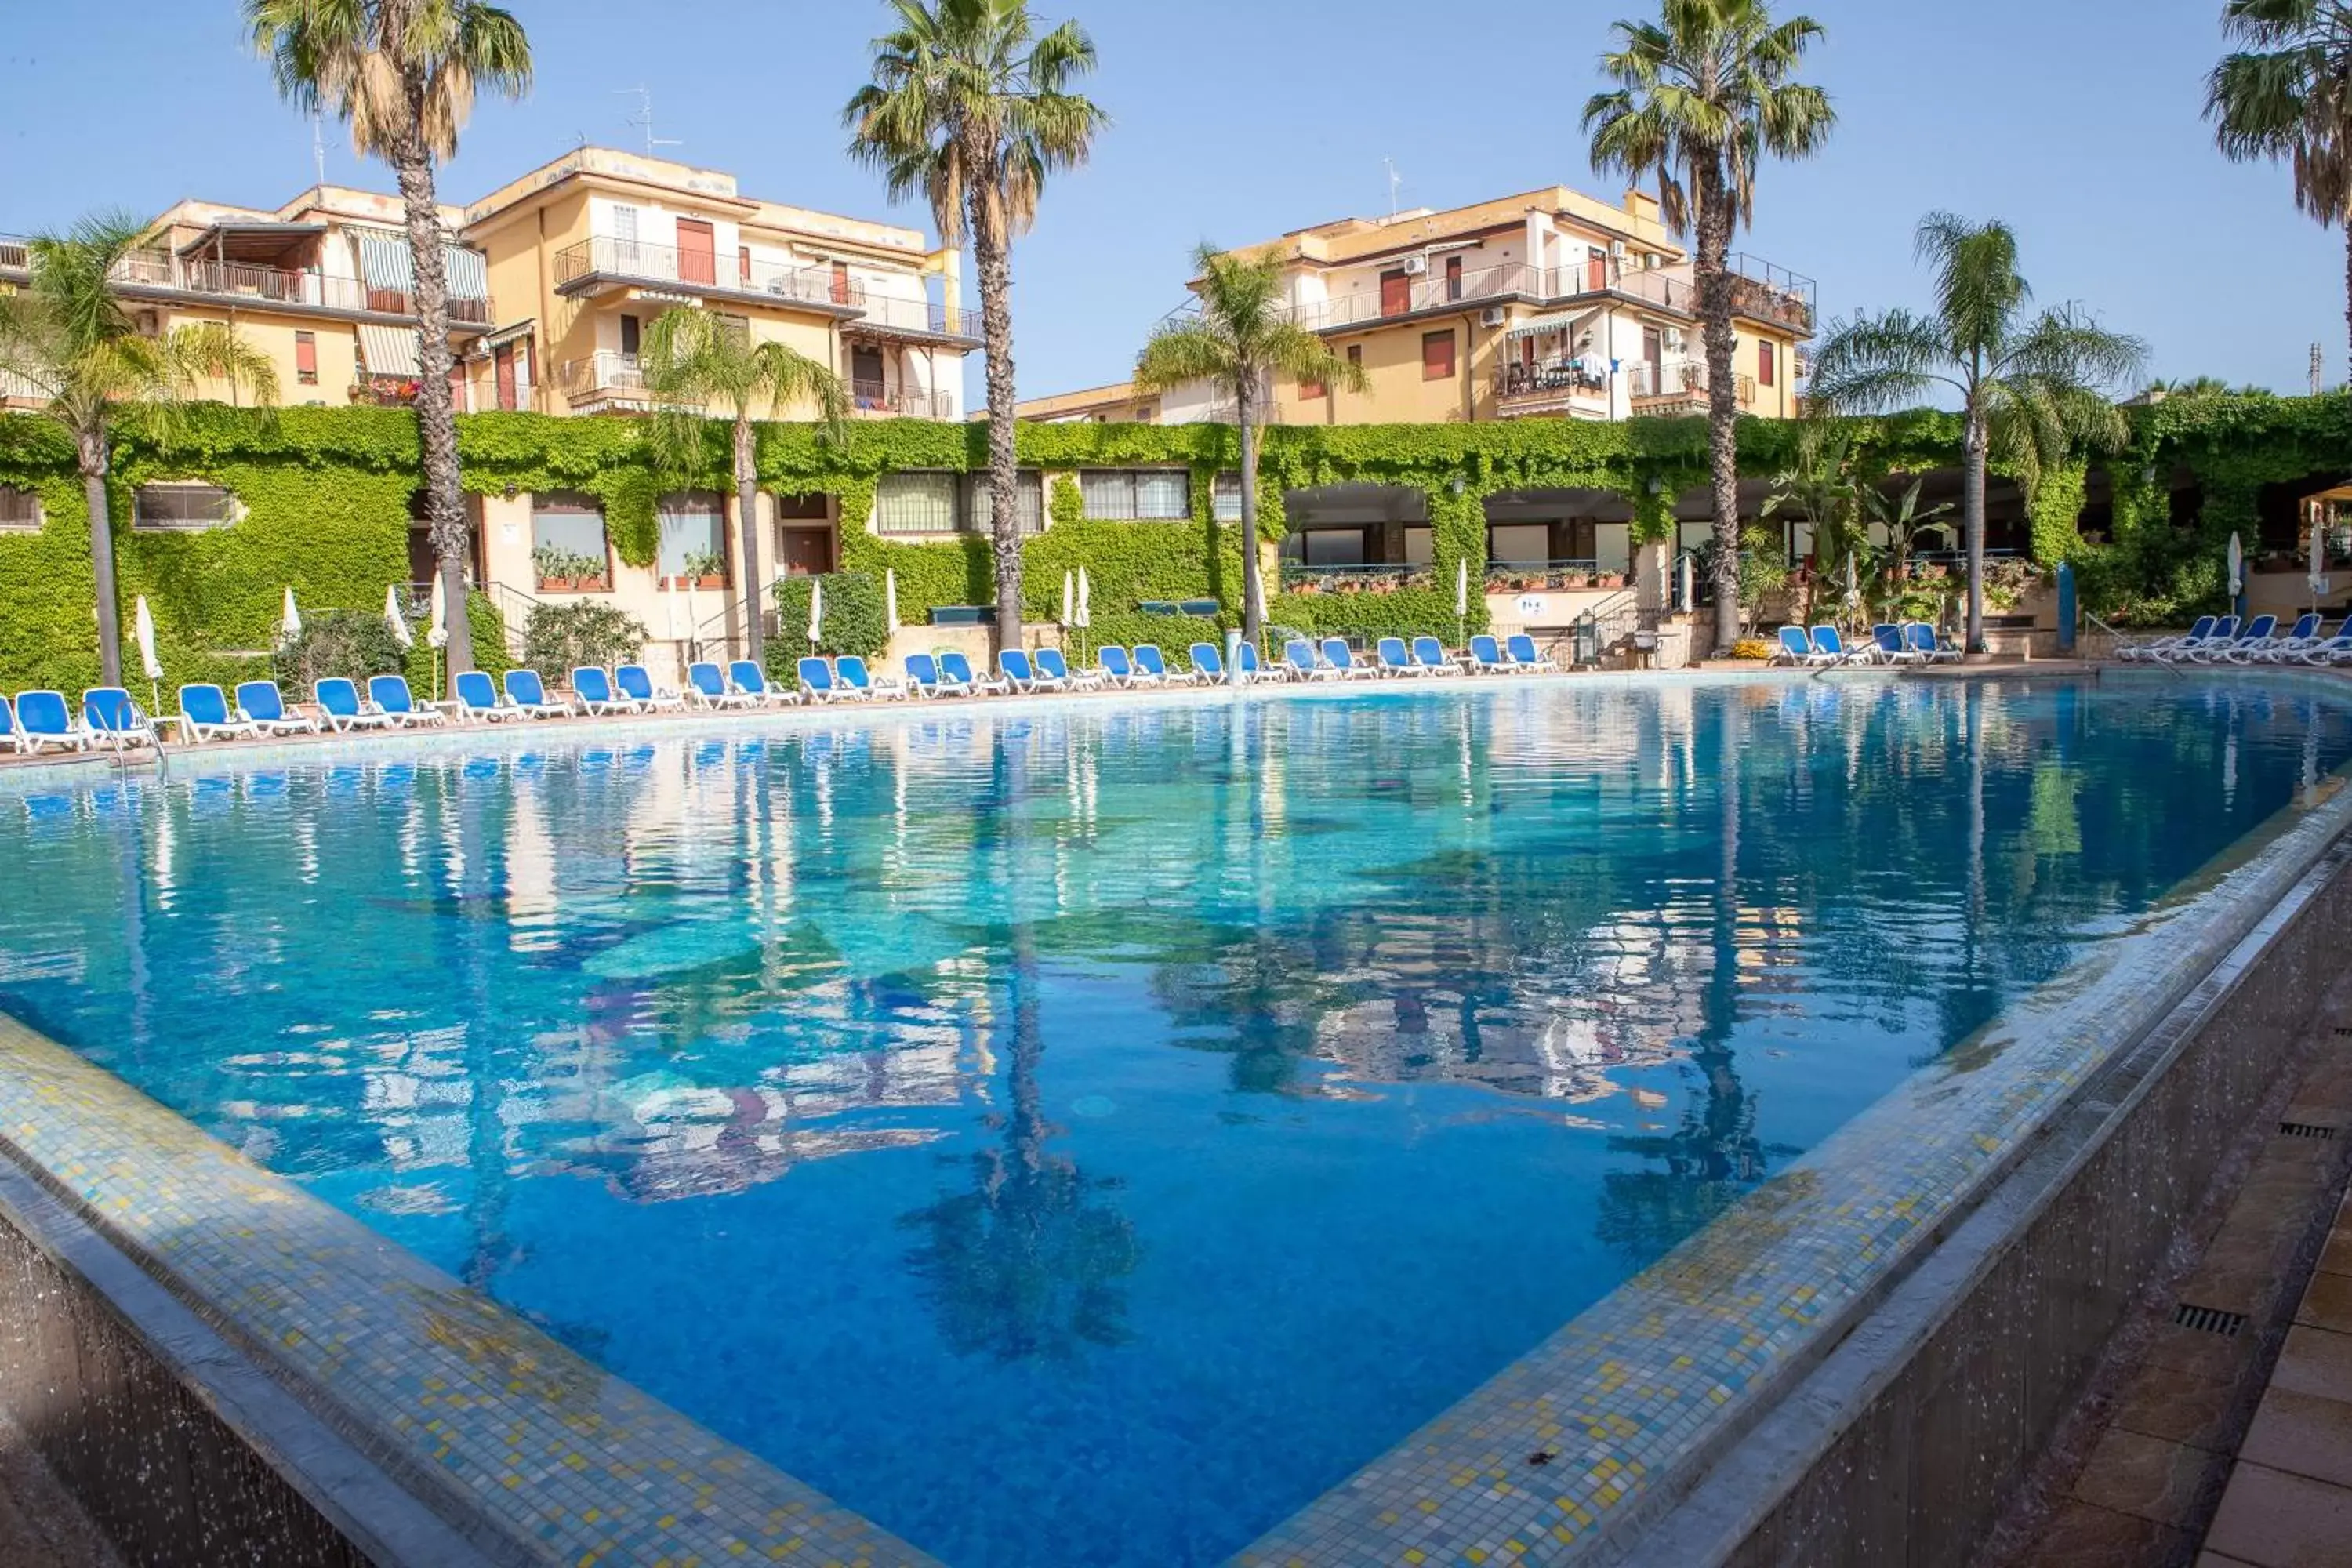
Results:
<point x="389" y="351"/>
<point x="384" y="262"/>
<point x="231" y="241"/>
<point x="506" y="335"/>
<point x="1558" y="322"/>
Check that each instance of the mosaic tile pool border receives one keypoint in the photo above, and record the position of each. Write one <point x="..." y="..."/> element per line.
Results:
<point x="1634" y="1397"/>
<point x="494" y="1426"/>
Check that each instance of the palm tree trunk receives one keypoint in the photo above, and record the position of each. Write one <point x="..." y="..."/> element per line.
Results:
<point x="1714" y="277"/>
<point x="1972" y="517"/>
<point x="1246" y="411"/>
<point x="93" y="454"/>
<point x="992" y="252"/>
<point x="747" y="526"/>
<point x="437" y="414"/>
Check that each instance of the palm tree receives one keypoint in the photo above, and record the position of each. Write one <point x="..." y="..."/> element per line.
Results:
<point x="1903" y="518"/>
<point x="1703" y="96"/>
<point x="66" y="337"/>
<point x="972" y="110"/>
<point x="1240" y="341"/>
<point x="693" y="358"/>
<point x="2030" y="389"/>
<point x="2286" y="94"/>
<point x="402" y="75"/>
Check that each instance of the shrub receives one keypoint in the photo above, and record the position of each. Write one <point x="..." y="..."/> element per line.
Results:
<point x="1751" y="648"/>
<point x="558" y="638"/>
<point x="355" y="642"/>
<point x="853" y="621"/>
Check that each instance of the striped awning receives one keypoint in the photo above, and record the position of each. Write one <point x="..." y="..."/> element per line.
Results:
<point x="389" y="351"/>
<point x="384" y="262"/>
<point x="1558" y="322"/>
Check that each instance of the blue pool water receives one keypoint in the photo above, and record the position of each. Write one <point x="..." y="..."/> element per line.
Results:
<point x="1079" y="1135"/>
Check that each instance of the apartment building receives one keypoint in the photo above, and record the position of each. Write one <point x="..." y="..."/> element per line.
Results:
<point x="1549" y="303"/>
<point x="321" y="286"/>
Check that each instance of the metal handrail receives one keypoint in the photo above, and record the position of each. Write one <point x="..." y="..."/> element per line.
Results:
<point x="727" y="271"/>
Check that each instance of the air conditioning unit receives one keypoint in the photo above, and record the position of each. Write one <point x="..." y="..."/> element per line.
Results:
<point x="1493" y="316"/>
<point x="1616" y="250"/>
<point x="1415" y="266"/>
<point x="1672" y="337"/>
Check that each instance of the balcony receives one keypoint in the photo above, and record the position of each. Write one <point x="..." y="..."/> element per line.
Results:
<point x="892" y="313"/>
<point x="1679" y="386"/>
<point x="875" y="400"/>
<point x="596" y="266"/>
<point x="604" y="379"/>
<point x="1763" y="292"/>
<point x="15" y="255"/>
<point x="1521" y="390"/>
<point x="243" y="282"/>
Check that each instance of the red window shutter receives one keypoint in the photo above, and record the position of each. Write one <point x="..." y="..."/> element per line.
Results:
<point x="306" y="357"/>
<point x="697" y="251"/>
<point x="1765" y="364"/>
<point x="1311" y="390"/>
<point x="1436" y="355"/>
<point x="743" y="266"/>
<point x="504" y="363"/>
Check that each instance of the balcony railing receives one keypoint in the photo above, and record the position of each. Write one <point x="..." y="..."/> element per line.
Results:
<point x="1764" y="292"/>
<point x="898" y="402"/>
<point x="917" y="315"/>
<point x="15" y="255"/>
<point x="604" y="373"/>
<point x="719" y="271"/>
<point x="1680" y="381"/>
<point x="1571" y="378"/>
<point x="237" y="281"/>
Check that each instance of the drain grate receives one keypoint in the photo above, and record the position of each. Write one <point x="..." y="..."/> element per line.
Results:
<point x="2305" y="1129"/>
<point x="2210" y="1320"/>
<point x="2344" y="1032"/>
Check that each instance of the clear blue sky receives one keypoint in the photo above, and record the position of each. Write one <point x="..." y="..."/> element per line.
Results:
<point x="2076" y="120"/>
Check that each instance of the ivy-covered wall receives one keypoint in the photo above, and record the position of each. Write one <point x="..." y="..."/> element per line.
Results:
<point x="326" y="493"/>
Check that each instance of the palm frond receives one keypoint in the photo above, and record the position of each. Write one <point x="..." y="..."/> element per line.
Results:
<point x="1873" y="364"/>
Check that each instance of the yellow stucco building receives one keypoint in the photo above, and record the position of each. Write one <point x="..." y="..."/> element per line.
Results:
<point x="1547" y="302"/>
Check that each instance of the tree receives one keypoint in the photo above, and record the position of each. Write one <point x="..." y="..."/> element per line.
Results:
<point x="972" y="110"/>
<point x="68" y="337"/>
<point x="693" y="358"/>
<point x="2031" y="388"/>
<point x="1703" y="96"/>
<point x="1820" y="485"/>
<point x="1903" y="518"/>
<point x="2286" y="93"/>
<point x="402" y="75"/>
<point x="1241" y="340"/>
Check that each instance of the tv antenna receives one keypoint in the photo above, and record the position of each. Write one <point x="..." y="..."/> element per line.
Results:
<point x="1396" y="183"/>
<point x="319" y="145"/>
<point x="643" y="119"/>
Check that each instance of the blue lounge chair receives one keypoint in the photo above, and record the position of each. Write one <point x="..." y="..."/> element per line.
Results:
<point x="1301" y="663"/>
<point x="2333" y="650"/>
<point x="593" y="688"/>
<point x="1249" y="666"/>
<point x="1116" y="667"/>
<point x="922" y="674"/>
<point x="1486" y="656"/>
<point x="110" y="718"/>
<point x="2305" y="635"/>
<point x="1208" y="664"/>
<point x="9" y="739"/>
<point x="393" y="699"/>
<point x="747" y="677"/>
<point x="42" y="720"/>
<point x="528" y="692"/>
<point x="1151" y="667"/>
<point x="1794" y="647"/>
<point x="817" y="683"/>
<point x="2224" y="631"/>
<point x="1341" y="657"/>
<point x="478" y="699"/>
<point x="956" y="675"/>
<point x="1522" y="649"/>
<point x="205" y="714"/>
<point x="1021" y="675"/>
<point x="709" y="688"/>
<point x="1051" y="663"/>
<point x="1429" y="656"/>
<point x="636" y="684"/>
<point x="2156" y="648"/>
<point x="1829" y="648"/>
<point x="2259" y="634"/>
<point x="260" y="704"/>
<point x="1921" y="637"/>
<point x="849" y="670"/>
<point x="343" y="708"/>
<point x="1394" y="658"/>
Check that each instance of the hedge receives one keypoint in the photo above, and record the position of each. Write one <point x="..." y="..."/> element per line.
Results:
<point x="327" y="496"/>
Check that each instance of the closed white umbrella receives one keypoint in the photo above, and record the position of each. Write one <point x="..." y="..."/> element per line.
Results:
<point x="2237" y="567"/>
<point x="143" y="629"/>
<point x="816" y="609"/>
<point x="1461" y="588"/>
<point x="2318" y="554"/>
<point x="290" y="623"/>
<point x="437" y="629"/>
<point x="1689" y="586"/>
<point x="670" y="607"/>
<point x="1263" y="616"/>
<point x="395" y="619"/>
<point x="693" y="621"/>
<point x="890" y="599"/>
<point x="1086" y="600"/>
<point x="1068" y="587"/>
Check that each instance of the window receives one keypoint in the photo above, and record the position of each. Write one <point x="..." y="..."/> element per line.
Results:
<point x="1331" y="547"/>
<point x="1356" y="355"/>
<point x="630" y="335"/>
<point x="1138" y="495"/>
<point x="1438" y="356"/>
<point x="624" y="222"/>
<point x="1028" y="502"/>
<point x="306" y="358"/>
<point x="1766" y="363"/>
<point x="567" y="537"/>
<point x="693" y="535"/>
<point x="1311" y="390"/>
<point x="914" y="503"/>
<point x="182" y="509"/>
<point x="502" y="370"/>
<point x="738" y="328"/>
<point x="20" y="510"/>
<point x="1226" y="498"/>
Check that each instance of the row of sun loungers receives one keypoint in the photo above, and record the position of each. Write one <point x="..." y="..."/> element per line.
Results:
<point x="1910" y="643"/>
<point x="2222" y="640"/>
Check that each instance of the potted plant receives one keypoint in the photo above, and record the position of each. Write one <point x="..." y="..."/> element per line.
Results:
<point x="552" y="564"/>
<point x="705" y="569"/>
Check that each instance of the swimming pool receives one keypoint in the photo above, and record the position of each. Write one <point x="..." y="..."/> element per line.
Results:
<point x="1083" y="1134"/>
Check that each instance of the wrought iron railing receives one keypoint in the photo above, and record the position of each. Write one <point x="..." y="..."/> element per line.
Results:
<point x="899" y="402"/>
<point x="235" y="280"/>
<point x="603" y="371"/>
<point x="915" y="315"/>
<point x="1572" y="378"/>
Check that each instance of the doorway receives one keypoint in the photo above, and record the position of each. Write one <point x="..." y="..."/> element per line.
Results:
<point x="697" y="251"/>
